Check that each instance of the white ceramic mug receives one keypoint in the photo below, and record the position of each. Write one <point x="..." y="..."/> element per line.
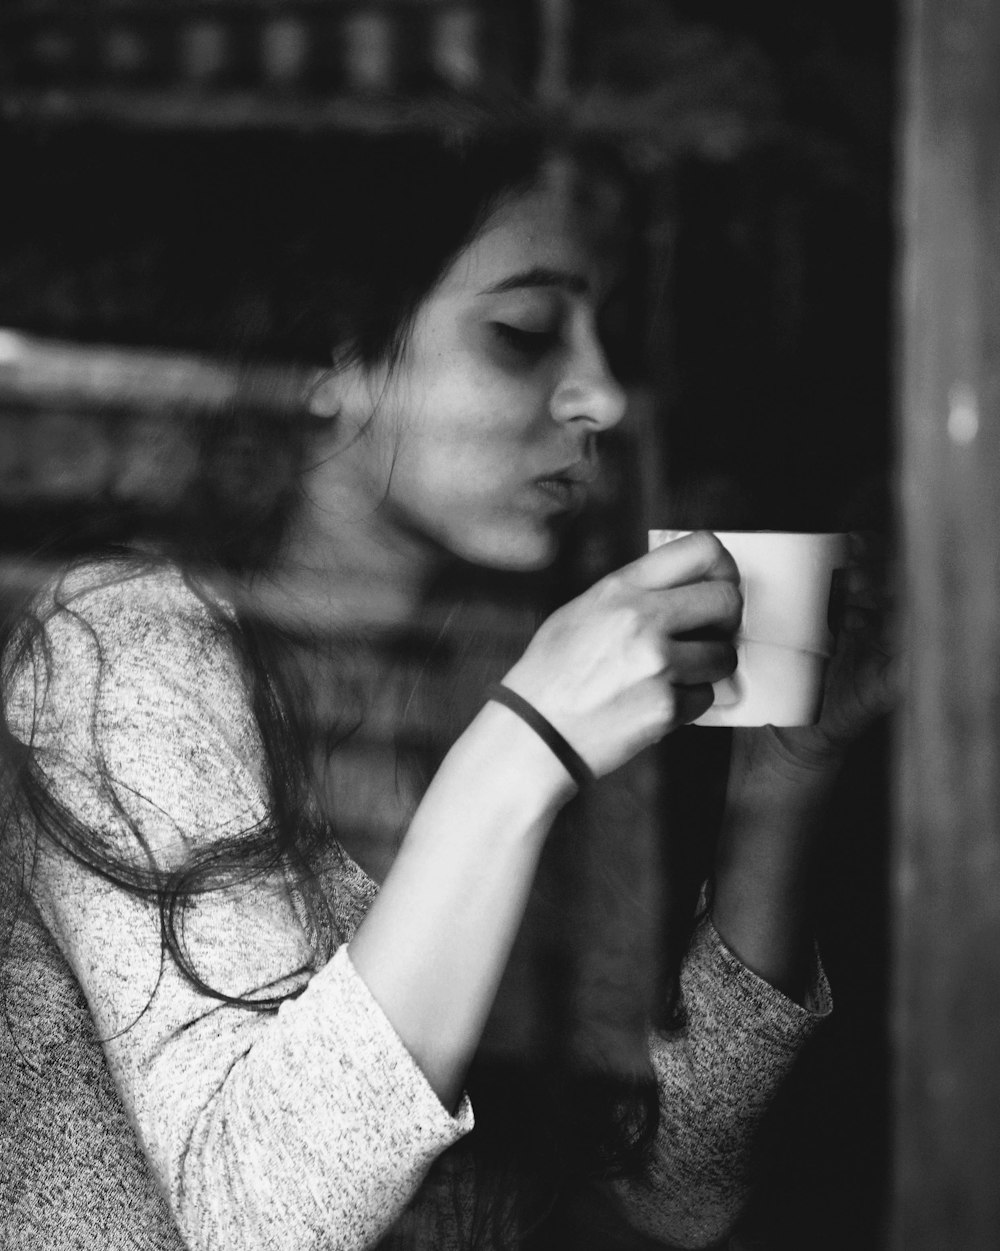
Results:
<point x="784" y="641"/>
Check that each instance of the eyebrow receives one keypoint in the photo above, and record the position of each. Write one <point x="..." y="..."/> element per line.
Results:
<point x="541" y="276"/>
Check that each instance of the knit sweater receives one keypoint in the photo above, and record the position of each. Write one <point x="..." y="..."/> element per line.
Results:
<point x="136" y="1106"/>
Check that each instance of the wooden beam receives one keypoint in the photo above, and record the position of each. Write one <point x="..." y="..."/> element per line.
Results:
<point x="946" y="855"/>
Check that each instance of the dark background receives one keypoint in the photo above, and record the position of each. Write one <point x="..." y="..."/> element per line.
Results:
<point x="762" y="135"/>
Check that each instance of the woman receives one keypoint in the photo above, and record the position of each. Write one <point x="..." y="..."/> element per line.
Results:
<point x="287" y="1044"/>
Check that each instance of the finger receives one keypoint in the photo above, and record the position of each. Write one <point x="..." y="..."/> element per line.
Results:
<point x="856" y="612"/>
<point x="702" y="606"/>
<point x="870" y="567"/>
<point x="692" y="702"/>
<point x="858" y="580"/>
<point x="868" y="547"/>
<point x="858" y="601"/>
<point x="857" y="619"/>
<point x="697" y="557"/>
<point x="862" y="588"/>
<point x="865" y="606"/>
<point x="698" y="661"/>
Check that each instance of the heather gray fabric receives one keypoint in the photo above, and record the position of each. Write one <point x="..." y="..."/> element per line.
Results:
<point x="307" y="1128"/>
<point x="72" y="1177"/>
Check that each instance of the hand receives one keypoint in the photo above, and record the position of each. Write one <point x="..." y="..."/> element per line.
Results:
<point x="862" y="675"/>
<point x="635" y="656"/>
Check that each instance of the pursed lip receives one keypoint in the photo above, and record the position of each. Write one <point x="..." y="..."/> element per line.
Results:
<point x="566" y="488"/>
<point x="580" y="473"/>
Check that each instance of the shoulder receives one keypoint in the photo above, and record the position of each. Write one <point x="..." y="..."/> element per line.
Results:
<point x="128" y="604"/>
<point x="129" y="626"/>
<point x="133" y="701"/>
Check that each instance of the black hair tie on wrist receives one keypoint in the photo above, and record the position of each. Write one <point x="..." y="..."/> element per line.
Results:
<point x="568" y="756"/>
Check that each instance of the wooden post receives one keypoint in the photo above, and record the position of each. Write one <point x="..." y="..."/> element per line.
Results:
<point x="946" y="868"/>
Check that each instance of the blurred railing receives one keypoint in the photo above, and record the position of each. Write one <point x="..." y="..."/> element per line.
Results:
<point x="345" y="47"/>
<point x="82" y="422"/>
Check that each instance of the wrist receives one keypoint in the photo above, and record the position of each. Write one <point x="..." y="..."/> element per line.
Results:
<point x="778" y="794"/>
<point x="507" y="750"/>
<point x="558" y="745"/>
<point x="798" y="753"/>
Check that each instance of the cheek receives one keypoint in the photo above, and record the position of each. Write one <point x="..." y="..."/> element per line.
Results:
<point x="438" y="477"/>
<point x="480" y="402"/>
<point x="468" y="441"/>
<point x="474" y="448"/>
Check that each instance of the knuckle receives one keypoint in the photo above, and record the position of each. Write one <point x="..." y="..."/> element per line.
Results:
<point x="614" y="585"/>
<point x="633" y="624"/>
<point x="666" y="658"/>
<point x="650" y="656"/>
<point x="665" y="704"/>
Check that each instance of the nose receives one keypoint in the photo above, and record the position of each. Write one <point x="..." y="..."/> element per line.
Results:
<point x="589" y="393"/>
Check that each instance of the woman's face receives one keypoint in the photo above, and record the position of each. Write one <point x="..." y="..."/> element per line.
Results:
<point x="481" y="440"/>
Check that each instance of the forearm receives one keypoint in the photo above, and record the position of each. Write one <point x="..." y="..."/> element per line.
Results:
<point x="775" y="816"/>
<point x="435" y="942"/>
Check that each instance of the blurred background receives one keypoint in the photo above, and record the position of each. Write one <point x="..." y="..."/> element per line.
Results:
<point x="756" y="342"/>
<point x="762" y="134"/>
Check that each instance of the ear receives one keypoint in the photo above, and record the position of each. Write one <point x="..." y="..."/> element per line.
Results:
<point x="323" y="397"/>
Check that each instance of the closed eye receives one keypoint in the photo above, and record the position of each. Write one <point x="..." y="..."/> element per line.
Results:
<point x="527" y="342"/>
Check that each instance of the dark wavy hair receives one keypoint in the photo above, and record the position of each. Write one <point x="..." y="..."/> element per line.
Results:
<point x="269" y="247"/>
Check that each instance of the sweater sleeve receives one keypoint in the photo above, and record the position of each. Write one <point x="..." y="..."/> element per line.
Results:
<point x="717" y="1075"/>
<point x="308" y="1127"/>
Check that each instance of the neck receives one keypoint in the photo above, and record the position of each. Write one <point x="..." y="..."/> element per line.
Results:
<point x="354" y="568"/>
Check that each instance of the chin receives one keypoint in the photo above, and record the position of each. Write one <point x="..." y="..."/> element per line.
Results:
<point x="525" y="554"/>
